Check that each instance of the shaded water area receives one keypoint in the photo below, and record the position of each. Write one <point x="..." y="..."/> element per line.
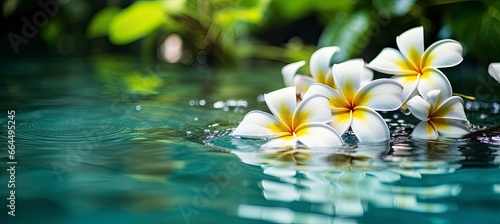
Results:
<point x="113" y="140"/>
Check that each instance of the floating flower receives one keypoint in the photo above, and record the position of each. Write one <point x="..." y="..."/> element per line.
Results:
<point x="353" y="104"/>
<point x="291" y="123"/>
<point x="320" y="70"/>
<point x="439" y="114"/>
<point x="494" y="70"/>
<point x="416" y="69"/>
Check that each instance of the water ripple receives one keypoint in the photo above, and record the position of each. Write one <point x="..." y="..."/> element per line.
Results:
<point x="70" y="125"/>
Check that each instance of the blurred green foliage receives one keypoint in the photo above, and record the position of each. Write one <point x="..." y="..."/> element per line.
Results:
<point x="477" y="26"/>
<point x="227" y="32"/>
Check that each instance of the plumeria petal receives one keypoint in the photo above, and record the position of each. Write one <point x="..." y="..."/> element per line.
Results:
<point x="335" y="98"/>
<point x="381" y="95"/>
<point x="368" y="125"/>
<point x="450" y="127"/>
<point x="312" y="109"/>
<point x="289" y="71"/>
<point x="318" y="89"/>
<point x="329" y="81"/>
<point x="411" y="45"/>
<point x="391" y="61"/>
<point x="280" y="142"/>
<point x="302" y="83"/>
<point x="342" y="119"/>
<point x="442" y="54"/>
<point x="320" y="62"/>
<point x="419" y="108"/>
<point x="347" y="76"/>
<point x="433" y="97"/>
<point x="494" y="71"/>
<point x="318" y="135"/>
<point x="282" y="104"/>
<point x="452" y="108"/>
<point x="258" y="124"/>
<point x="366" y="76"/>
<point x="424" y="130"/>
<point x="433" y="79"/>
<point x="409" y="83"/>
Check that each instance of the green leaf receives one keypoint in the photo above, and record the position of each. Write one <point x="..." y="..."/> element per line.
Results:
<point x="333" y="6"/>
<point x="227" y="17"/>
<point x="394" y="7"/>
<point x="478" y="29"/>
<point x="52" y="31"/>
<point x="173" y="6"/>
<point x="252" y="14"/>
<point x="349" y="32"/>
<point x="292" y="9"/>
<point x="99" y="25"/>
<point x="136" y="21"/>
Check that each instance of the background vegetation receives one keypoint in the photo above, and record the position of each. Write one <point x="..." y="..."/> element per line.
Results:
<point x="230" y="32"/>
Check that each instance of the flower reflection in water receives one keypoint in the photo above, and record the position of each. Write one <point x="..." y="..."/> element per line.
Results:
<point x="344" y="182"/>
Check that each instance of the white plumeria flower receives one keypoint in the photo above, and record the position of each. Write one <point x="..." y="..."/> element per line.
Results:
<point x="439" y="114"/>
<point x="416" y="69"/>
<point x="291" y="123"/>
<point x="353" y="104"/>
<point x="494" y="70"/>
<point x="320" y="70"/>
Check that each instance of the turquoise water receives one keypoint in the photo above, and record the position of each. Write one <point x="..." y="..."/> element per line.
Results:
<point x="113" y="140"/>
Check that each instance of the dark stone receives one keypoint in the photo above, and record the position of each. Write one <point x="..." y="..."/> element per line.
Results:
<point x="489" y="135"/>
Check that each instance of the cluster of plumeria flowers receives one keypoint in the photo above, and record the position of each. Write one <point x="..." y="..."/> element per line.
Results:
<point x="317" y="110"/>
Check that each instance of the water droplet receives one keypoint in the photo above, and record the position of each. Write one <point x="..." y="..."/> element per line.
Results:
<point x="260" y="98"/>
<point x="195" y="118"/>
<point x="219" y="104"/>
<point x="232" y="103"/>
<point x="138" y="107"/>
<point x="468" y="105"/>
<point x="192" y="103"/>
<point x="202" y="102"/>
<point x="243" y="103"/>
<point x="405" y="111"/>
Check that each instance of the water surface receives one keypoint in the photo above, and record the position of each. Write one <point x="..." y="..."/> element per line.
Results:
<point x="114" y="140"/>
